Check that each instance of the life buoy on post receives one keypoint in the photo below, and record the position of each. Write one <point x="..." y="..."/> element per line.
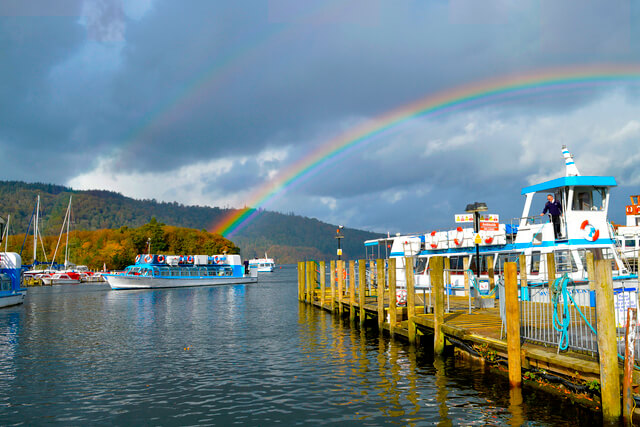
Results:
<point x="459" y="237"/>
<point x="434" y="242"/>
<point x="590" y="233"/>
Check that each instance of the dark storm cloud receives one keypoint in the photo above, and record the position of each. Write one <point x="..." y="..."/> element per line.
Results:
<point x="179" y="83"/>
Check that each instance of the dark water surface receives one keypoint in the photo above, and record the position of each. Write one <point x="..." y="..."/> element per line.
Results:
<point x="245" y="354"/>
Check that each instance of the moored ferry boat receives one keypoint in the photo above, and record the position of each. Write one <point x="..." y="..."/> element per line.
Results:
<point x="583" y="227"/>
<point x="174" y="271"/>
<point x="262" y="265"/>
<point x="11" y="292"/>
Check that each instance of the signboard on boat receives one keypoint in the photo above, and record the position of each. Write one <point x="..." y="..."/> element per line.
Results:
<point x="483" y="218"/>
<point x="489" y="226"/>
<point x="633" y="210"/>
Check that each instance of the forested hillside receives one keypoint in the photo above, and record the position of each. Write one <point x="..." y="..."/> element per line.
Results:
<point x="286" y="237"/>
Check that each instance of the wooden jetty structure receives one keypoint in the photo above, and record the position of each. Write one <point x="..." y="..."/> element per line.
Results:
<point x="365" y="291"/>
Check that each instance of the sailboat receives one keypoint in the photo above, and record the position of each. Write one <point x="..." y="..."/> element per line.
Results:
<point x="67" y="276"/>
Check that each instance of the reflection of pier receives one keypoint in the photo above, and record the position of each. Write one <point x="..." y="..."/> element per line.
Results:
<point x="569" y="358"/>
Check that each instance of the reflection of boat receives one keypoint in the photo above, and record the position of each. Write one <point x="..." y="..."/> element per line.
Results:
<point x="10" y="279"/>
<point x="173" y="271"/>
<point x="263" y="265"/>
<point x="62" y="278"/>
<point x="584" y="227"/>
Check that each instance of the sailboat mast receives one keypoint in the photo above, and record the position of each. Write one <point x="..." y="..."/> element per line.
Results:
<point x="35" y="230"/>
<point x="66" y="247"/>
<point x="6" y="238"/>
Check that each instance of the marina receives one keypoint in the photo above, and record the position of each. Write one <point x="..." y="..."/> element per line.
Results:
<point x="238" y="354"/>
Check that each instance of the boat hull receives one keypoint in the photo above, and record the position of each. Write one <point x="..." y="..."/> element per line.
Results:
<point x="9" y="300"/>
<point x="141" y="282"/>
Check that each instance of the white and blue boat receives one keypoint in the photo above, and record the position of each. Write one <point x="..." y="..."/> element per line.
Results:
<point x="262" y="265"/>
<point x="176" y="271"/>
<point x="584" y="226"/>
<point x="11" y="291"/>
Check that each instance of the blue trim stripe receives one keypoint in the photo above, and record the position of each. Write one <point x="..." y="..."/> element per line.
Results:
<point x="371" y="243"/>
<point x="566" y="181"/>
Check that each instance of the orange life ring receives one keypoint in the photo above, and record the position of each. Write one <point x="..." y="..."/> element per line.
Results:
<point x="589" y="231"/>
<point x="148" y="258"/>
<point x="458" y="241"/>
<point x="137" y="259"/>
<point x="488" y="240"/>
<point x="161" y="258"/>
<point x="190" y="259"/>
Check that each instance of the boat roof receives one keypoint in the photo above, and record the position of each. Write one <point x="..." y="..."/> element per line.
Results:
<point x="571" y="181"/>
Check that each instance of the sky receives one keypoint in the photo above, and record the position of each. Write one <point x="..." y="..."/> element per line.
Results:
<point x="211" y="103"/>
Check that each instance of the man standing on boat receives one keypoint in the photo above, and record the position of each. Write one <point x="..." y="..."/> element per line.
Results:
<point x="554" y="208"/>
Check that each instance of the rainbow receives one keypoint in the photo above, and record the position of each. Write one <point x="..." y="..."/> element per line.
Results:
<point x="502" y="89"/>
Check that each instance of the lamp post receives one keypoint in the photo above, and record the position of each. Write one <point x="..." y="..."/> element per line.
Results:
<point x="148" y="245"/>
<point x="339" y="236"/>
<point x="475" y="209"/>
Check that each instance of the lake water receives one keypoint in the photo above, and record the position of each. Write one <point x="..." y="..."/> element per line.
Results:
<point x="244" y="354"/>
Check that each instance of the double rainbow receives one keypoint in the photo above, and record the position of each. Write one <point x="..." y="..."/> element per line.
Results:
<point x="488" y="92"/>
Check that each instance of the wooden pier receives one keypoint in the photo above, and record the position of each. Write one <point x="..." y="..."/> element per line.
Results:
<point x="370" y="299"/>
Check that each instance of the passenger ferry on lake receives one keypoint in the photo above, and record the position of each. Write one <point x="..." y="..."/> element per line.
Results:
<point x="262" y="265"/>
<point x="11" y="292"/>
<point x="584" y="226"/>
<point x="175" y="271"/>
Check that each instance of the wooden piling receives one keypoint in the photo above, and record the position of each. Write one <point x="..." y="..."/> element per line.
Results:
<point x="340" y="266"/>
<point x="524" y="290"/>
<point x="465" y="264"/>
<point x="447" y="272"/>
<point x="437" y="288"/>
<point x="513" y="323"/>
<point x="301" y="271"/>
<point x="332" y="284"/>
<point x="607" y="350"/>
<point x="352" y="290"/>
<point x="393" y="318"/>
<point x="628" y="403"/>
<point x="411" y="299"/>
<point x="323" y="278"/>
<point x="591" y="270"/>
<point x="491" y="273"/>
<point x="362" y="283"/>
<point x="307" y="286"/>
<point x="380" y="291"/>
<point x="551" y="268"/>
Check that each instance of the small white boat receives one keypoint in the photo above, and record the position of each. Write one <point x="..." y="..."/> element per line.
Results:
<point x="175" y="271"/>
<point x="262" y="265"/>
<point x="61" y="279"/>
<point x="11" y="292"/>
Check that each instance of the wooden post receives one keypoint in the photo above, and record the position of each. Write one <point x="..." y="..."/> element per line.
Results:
<point x="491" y="273"/>
<point x="551" y="268"/>
<point x="447" y="273"/>
<point x="300" y="280"/>
<point x="608" y="353"/>
<point x="352" y="290"/>
<point x="340" y="285"/>
<point x="323" y="282"/>
<point x="465" y="264"/>
<point x="307" y="285"/>
<point x="393" y="318"/>
<point x="332" y="284"/>
<point x="362" y="284"/>
<point x="411" y="299"/>
<point x="380" y="293"/>
<point x="513" y="323"/>
<point x="524" y="290"/>
<point x="591" y="270"/>
<point x="437" y="288"/>
<point x="627" y="383"/>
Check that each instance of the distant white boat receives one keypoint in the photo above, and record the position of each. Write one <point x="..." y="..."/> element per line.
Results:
<point x="262" y="265"/>
<point x="69" y="278"/>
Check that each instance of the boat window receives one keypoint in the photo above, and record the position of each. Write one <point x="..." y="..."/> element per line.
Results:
<point x="565" y="262"/>
<point x="535" y="262"/>
<point x="165" y="272"/>
<point x="193" y="272"/>
<point x="630" y="243"/>
<point x="456" y="263"/>
<point x="421" y="265"/>
<point x="506" y="257"/>
<point x="5" y="282"/>
<point x="589" y="198"/>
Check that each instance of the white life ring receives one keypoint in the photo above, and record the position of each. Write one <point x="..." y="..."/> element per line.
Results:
<point x="459" y="237"/>
<point x="160" y="258"/>
<point x="401" y="296"/>
<point x="589" y="232"/>
<point x="434" y="242"/>
<point x="137" y="259"/>
<point x="190" y="259"/>
<point x="148" y="258"/>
